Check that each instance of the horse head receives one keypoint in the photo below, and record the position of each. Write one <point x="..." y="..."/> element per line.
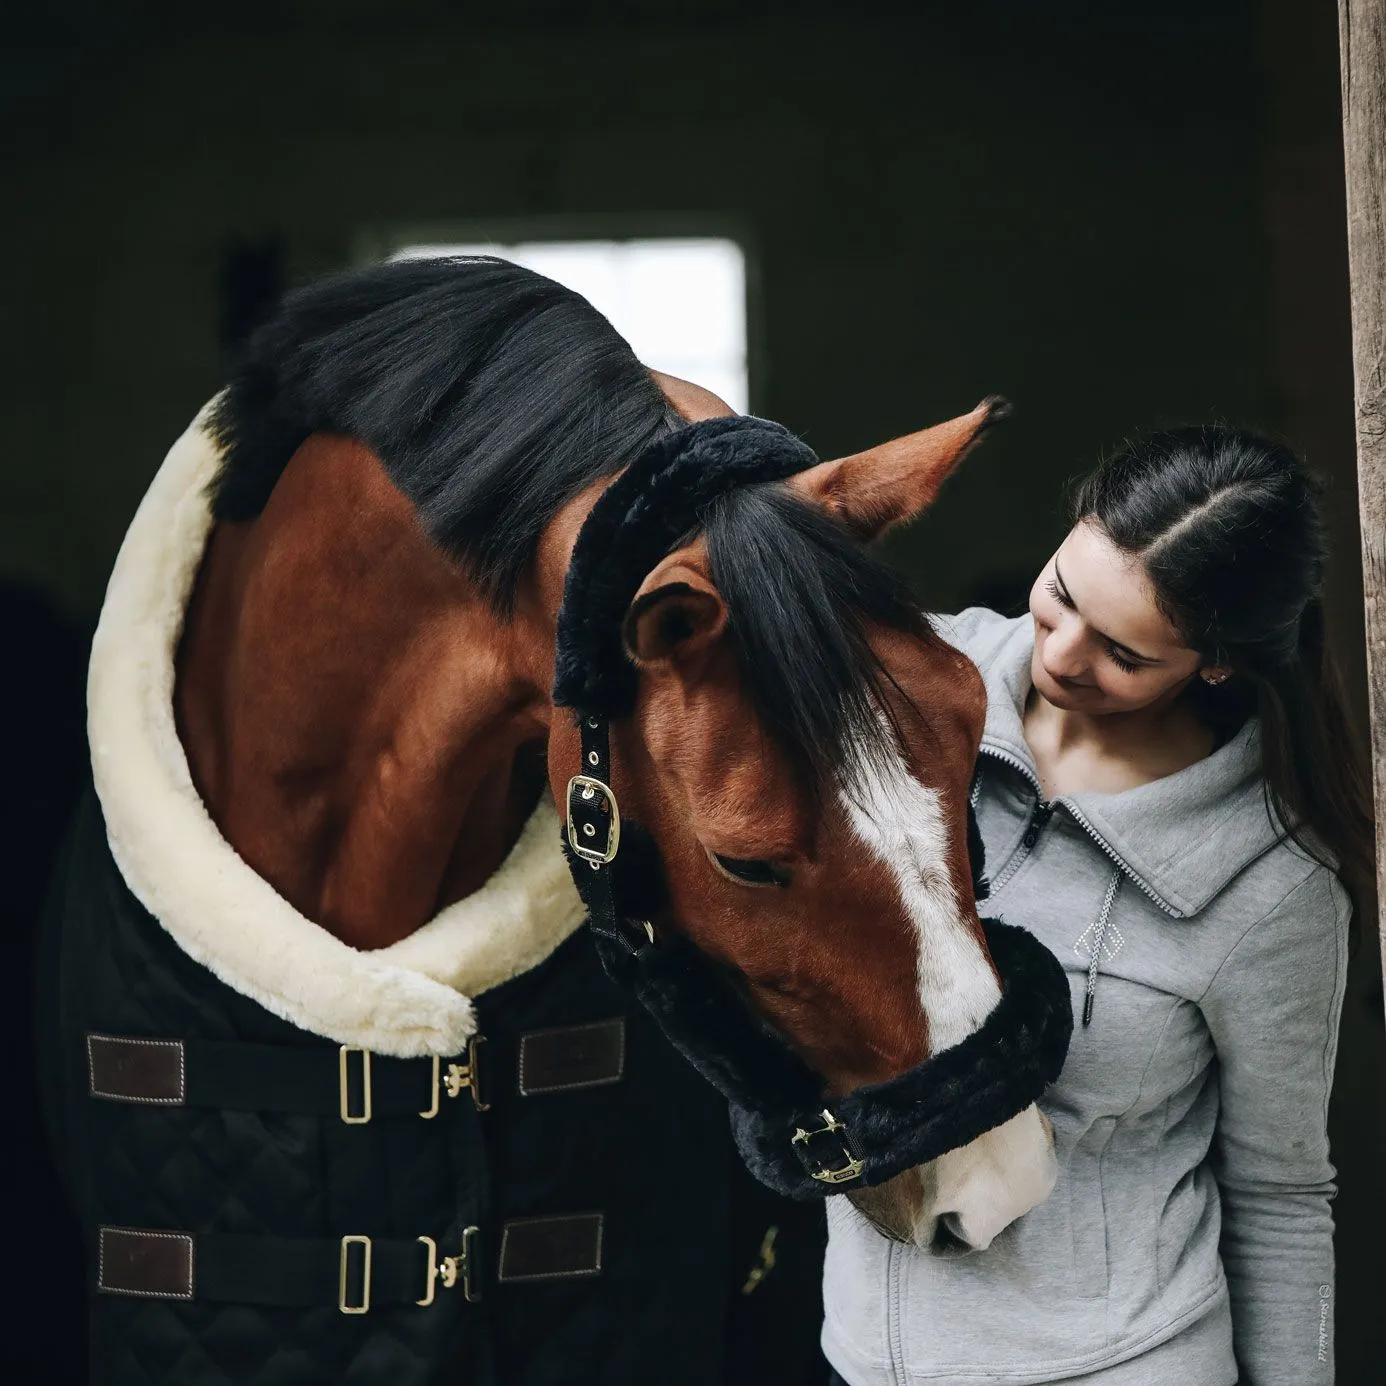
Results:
<point x="799" y="753"/>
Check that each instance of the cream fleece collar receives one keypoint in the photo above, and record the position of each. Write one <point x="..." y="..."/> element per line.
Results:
<point x="408" y="999"/>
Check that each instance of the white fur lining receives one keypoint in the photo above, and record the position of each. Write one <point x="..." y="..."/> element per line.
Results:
<point x="408" y="999"/>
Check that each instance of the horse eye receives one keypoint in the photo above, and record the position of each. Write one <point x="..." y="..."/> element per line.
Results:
<point x="751" y="872"/>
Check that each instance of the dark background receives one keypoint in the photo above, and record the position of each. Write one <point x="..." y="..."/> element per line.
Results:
<point x="1116" y="215"/>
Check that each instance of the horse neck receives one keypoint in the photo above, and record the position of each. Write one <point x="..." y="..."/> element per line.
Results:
<point x="366" y="732"/>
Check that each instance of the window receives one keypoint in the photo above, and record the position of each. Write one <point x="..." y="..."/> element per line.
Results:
<point x="681" y="304"/>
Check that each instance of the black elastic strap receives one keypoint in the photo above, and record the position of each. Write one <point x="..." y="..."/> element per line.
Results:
<point x="353" y="1274"/>
<point x="300" y="1272"/>
<point x="235" y="1075"/>
<point x="280" y="1078"/>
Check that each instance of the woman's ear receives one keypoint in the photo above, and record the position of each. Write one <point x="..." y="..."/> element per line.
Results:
<point x="872" y="491"/>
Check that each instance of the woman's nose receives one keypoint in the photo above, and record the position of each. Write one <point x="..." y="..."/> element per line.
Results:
<point x="1063" y="650"/>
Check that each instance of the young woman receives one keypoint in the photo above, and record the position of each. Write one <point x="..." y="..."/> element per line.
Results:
<point x="1170" y="799"/>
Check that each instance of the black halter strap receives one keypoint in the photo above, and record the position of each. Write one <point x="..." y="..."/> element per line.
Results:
<point x="790" y="1138"/>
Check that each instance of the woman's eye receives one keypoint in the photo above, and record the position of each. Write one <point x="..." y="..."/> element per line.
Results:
<point x="1115" y="655"/>
<point x="751" y="872"/>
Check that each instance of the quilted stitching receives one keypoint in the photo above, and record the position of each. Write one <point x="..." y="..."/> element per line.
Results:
<point x="200" y="1170"/>
<point x="652" y="1152"/>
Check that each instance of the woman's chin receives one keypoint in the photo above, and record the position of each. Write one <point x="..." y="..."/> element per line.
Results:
<point x="1065" y="698"/>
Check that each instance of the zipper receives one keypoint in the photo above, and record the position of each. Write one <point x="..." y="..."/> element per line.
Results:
<point x="1044" y="809"/>
<point x="1039" y="816"/>
<point x="895" y="1312"/>
<point x="1042" y="814"/>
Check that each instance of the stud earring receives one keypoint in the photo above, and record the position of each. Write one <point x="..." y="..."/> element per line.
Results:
<point x="1214" y="679"/>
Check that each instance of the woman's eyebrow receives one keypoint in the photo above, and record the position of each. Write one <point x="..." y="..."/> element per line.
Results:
<point x="1063" y="587"/>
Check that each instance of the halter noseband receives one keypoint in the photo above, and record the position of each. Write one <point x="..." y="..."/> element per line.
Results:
<point x="789" y="1138"/>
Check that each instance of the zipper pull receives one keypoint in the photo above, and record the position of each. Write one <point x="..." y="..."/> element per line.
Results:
<point x="1038" y="819"/>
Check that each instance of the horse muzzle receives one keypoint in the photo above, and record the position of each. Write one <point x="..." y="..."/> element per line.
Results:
<point x="961" y="1201"/>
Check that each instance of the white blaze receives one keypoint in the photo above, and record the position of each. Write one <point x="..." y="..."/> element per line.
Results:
<point x="984" y="1186"/>
<point x="901" y="821"/>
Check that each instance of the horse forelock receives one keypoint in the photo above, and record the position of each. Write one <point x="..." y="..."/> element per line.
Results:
<point x="803" y="597"/>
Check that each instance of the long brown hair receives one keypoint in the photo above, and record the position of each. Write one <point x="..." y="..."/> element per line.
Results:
<point x="1229" y="529"/>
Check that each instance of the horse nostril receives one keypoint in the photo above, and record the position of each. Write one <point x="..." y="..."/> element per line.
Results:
<point x="948" y="1239"/>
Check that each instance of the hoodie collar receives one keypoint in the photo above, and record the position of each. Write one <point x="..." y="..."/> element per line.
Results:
<point x="1181" y="838"/>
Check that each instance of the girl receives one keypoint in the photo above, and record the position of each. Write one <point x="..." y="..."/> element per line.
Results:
<point x="1170" y="798"/>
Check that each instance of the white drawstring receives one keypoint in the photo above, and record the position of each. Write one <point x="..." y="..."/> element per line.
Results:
<point x="1090" y="994"/>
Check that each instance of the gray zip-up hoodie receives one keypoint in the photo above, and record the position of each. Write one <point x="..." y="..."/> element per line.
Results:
<point x="1190" y="1221"/>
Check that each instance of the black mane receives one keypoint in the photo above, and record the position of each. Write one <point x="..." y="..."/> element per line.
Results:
<point x="490" y="394"/>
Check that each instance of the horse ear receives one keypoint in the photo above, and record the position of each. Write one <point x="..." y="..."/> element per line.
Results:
<point x="872" y="491"/>
<point x="677" y="612"/>
<point x="691" y="402"/>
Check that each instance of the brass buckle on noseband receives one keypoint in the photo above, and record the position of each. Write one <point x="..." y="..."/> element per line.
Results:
<point x="588" y="788"/>
<point x="829" y="1174"/>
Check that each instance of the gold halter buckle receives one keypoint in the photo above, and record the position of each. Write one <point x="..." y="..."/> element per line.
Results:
<point x="588" y="787"/>
<point x="843" y="1174"/>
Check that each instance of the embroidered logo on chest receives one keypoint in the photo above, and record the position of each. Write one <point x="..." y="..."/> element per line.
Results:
<point x="1111" y="941"/>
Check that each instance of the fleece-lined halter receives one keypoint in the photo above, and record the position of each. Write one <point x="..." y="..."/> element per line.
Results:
<point x="790" y="1139"/>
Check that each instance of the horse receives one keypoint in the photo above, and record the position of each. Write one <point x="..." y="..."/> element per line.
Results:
<point x="364" y="678"/>
<point x="336" y="861"/>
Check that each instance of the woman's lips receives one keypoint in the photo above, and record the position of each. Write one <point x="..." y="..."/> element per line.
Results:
<point x="1071" y="685"/>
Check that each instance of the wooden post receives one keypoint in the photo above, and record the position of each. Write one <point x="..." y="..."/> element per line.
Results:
<point x="1362" y="48"/>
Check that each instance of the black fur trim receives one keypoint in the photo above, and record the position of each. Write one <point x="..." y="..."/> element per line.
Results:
<point x="637" y="520"/>
<point x="950" y="1099"/>
<point x="713" y="1028"/>
<point x="955" y="1095"/>
<point x="947" y="1101"/>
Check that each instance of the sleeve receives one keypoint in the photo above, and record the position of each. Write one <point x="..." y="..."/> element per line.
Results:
<point x="974" y="631"/>
<point x="1273" y="1009"/>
